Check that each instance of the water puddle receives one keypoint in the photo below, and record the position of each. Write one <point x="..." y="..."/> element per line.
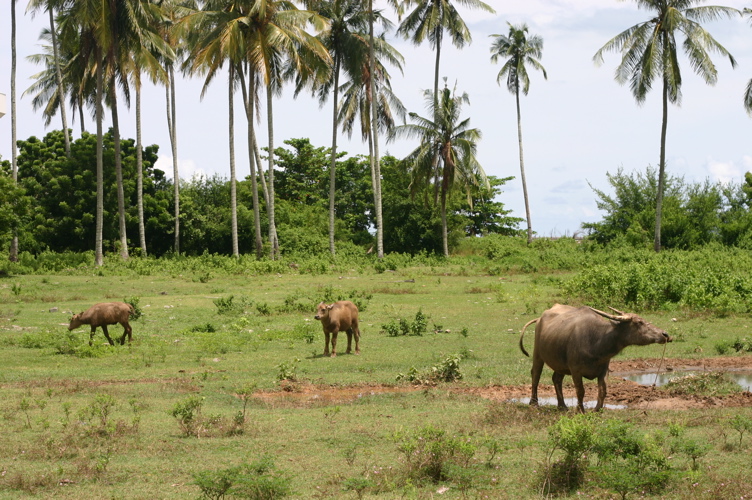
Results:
<point x="741" y="377"/>
<point x="570" y="402"/>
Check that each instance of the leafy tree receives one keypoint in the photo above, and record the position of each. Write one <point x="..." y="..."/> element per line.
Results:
<point x="446" y="154"/>
<point x="649" y="51"/>
<point x="486" y="216"/>
<point x="413" y="226"/>
<point x="65" y="193"/>
<point x="519" y="50"/>
<point x="14" y="204"/>
<point x="692" y="211"/>
<point x="303" y="180"/>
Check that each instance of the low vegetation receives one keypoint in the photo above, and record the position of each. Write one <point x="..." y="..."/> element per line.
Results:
<point x="223" y="392"/>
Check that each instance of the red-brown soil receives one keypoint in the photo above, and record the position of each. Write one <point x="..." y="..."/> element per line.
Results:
<point x="623" y="393"/>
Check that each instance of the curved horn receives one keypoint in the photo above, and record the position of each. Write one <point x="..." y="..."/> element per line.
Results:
<point x="620" y="313"/>
<point x="609" y="316"/>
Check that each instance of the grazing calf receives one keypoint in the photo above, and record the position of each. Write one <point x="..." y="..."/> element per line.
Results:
<point x="107" y="313"/>
<point x="340" y="316"/>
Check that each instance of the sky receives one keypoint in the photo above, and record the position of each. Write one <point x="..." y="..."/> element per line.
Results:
<point x="578" y="124"/>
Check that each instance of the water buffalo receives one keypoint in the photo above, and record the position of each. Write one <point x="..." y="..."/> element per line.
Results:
<point x="578" y="341"/>
<point x="340" y="316"/>
<point x="106" y="313"/>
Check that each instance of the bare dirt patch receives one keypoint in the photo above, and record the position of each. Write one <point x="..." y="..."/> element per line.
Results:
<point x="620" y="392"/>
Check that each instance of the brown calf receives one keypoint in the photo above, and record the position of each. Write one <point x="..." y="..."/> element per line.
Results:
<point x="106" y="313"/>
<point x="340" y="316"/>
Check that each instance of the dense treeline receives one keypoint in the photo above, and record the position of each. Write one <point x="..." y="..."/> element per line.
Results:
<point x="694" y="214"/>
<point x="60" y="196"/>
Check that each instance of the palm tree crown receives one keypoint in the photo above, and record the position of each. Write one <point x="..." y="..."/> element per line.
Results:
<point x="447" y="150"/>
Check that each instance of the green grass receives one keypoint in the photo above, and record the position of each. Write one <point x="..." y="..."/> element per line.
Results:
<point x="53" y="447"/>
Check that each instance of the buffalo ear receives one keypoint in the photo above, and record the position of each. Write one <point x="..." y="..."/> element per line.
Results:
<point x="330" y="306"/>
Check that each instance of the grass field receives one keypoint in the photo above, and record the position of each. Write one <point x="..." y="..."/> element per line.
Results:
<point x="179" y="412"/>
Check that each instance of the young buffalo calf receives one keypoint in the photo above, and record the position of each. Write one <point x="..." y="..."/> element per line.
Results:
<point x="340" y="316"/>
<point x="107" y="313"/>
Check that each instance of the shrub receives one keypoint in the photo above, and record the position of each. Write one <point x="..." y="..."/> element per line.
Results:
<point x="430" y="451"/>
<point x="259" y="480"/>
<point x="188" y="414"/>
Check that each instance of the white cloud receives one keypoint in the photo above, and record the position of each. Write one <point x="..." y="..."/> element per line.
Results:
<point x="724" y="172"/>
<point x="186" y="168"/>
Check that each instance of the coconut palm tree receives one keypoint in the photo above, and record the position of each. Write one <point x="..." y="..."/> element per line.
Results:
<point x="219" y="40"/>
<point x="13" y="252"/>
<point x="649" y="51"/>
<point x="346" y="40"/>
<point x="35" y="5"/>
<point x="278" y="47"/>
<point x="221" y="30"/>
<point x="145" y="59"/>
<point x="452" y="141"/>
<point x="431" y="19"/>
<point x="355" y="107"/>
<point x="519" y="50"/>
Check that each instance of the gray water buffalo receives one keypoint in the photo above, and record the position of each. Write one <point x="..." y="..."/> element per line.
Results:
<point x="106" y="313"/>
<point x="580" y="341"/>
<point x="340" y="316"/>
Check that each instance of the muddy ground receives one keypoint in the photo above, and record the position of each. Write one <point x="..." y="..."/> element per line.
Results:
<point x="621" y="393"/>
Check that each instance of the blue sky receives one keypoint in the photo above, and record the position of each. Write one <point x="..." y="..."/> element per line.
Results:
<point x="577" y="125"/>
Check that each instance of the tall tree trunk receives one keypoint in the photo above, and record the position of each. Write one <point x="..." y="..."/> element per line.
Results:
<point x="375" y="163"/>
<point x="13" y="252"/>
<point x="140" y="174"/>
<point x="172" y="126"/>
<point x="233" y="186"/>
<point x="333" y="163"/>
<point x="98" y="255"/>
<point x="81" y="118"/>
<point x="661" y="171"/>
<point x="274" y="252"/>
<point x="439" y="36"/>
<point x="59" y="78"/>
<point x="444" y="232"/>
<point x="522" y="170"/>
<point x="119" y="171"/>
<point x="248" y="101"/>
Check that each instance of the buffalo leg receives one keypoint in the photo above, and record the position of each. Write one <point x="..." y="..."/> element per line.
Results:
<point x="601" y="392"/>
<point x="557" y="379"/>
<point x="535" y="371"/>
<point x="326" y="343"/>
<point x="580" y="389"/>
<point x="349" y="341"/>
<point x="107" y="335"/>
<point x="356" y="334"/>
<point x="127" y="330"/>
<point x="91" y="335"/>
<point x="334" y="343"/>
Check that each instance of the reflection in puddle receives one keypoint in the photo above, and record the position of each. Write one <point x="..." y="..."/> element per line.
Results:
<point x="570" y="402"/>
<point x="743" y="378"/>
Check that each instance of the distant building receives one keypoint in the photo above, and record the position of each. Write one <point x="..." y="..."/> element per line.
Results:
<point x="2" y="105"/>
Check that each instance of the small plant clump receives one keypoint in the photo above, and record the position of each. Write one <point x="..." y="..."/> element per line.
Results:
<point x="259" y="480"/>
<point x="417" y="327"/>
<point x="447" y="370"/>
